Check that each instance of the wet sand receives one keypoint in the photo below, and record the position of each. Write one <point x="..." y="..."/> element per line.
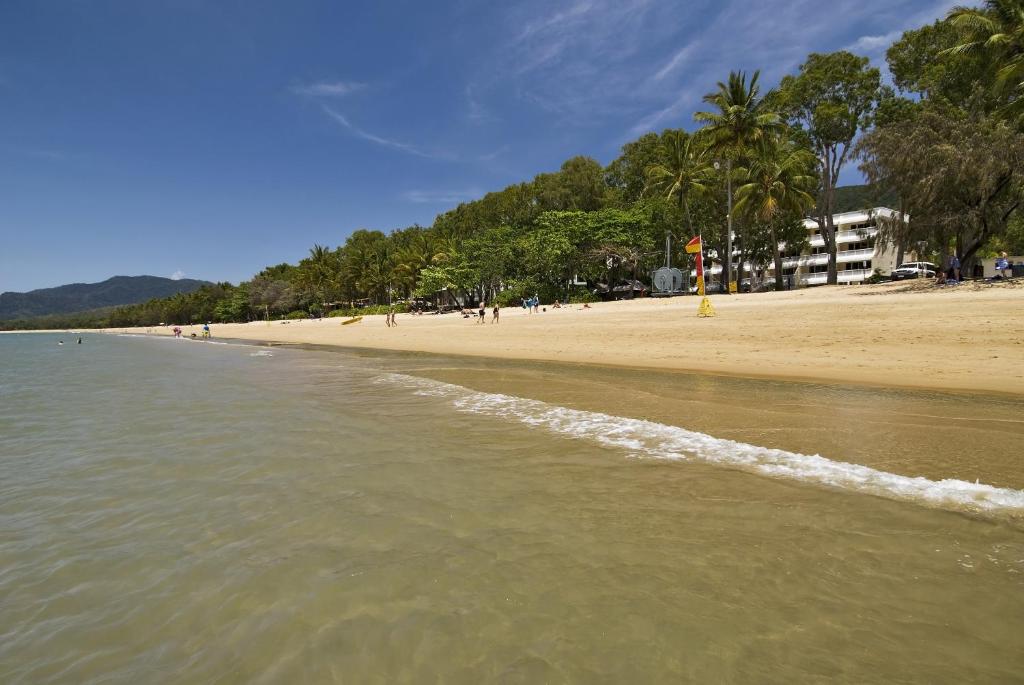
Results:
<point x="967" y="338"/>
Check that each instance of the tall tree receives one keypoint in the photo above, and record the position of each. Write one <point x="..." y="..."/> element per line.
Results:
<point x="741" y="120"/>
<point x="996" y="29"/>
<point x="779" y="178"/>
<point x="831" y="98"/>
<point x="961" y="177"/>
<point x="626" y="176"/>
<point x="919" y="63"/>
<point x="685" y="173"/>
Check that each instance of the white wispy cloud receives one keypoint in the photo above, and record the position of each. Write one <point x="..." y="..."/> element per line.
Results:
<point x="177" y="275"/>
<point x="380" y="140"/>
<point x="671" y="112"/>
<point x="774" y="37"/>
<point x="47" y="154"/>
<point x="873" y="44"/>
<point x="441" y="196"/>
<point x="328" y="88"/>
<point x="568" y="53"/>
<point x="493" y="154"/>
<point x="558" y="20"/>
<point x="476" y="110"/>
<point x="673" y="64"/>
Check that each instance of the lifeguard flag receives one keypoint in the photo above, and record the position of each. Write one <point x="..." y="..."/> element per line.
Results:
<point x="694" y="247"/>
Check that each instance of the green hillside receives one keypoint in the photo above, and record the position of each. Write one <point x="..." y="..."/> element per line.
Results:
<point x="81" y="297"/>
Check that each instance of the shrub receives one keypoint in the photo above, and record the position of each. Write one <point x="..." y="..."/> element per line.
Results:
<point x="580" y="296"/>
<point x="297" y="314"/>
<point x="370" y="310"/>
<point x="876" y="277"/>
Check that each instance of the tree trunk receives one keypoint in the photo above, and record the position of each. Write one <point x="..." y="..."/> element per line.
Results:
<point x="739" y="266"/>
<point x="689" y="219"/>
<point x="828" y="229"/>
<point x="777" y="259"/>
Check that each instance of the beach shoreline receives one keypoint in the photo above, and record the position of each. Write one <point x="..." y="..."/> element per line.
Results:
<point x="964" y="339"/>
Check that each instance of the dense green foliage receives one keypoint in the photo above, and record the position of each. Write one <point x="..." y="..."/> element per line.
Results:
<point x="953" y="151"/>
<point x="944" y="147"/>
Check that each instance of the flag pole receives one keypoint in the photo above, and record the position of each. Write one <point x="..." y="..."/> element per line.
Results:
<point x="705" y="310"/>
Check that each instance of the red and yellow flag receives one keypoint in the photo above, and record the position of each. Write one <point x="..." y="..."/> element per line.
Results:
<point x="695" y="247"/>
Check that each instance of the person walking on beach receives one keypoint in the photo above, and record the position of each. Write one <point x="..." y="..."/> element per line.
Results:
<point x="494" y="314"/>
<point x="953" y="274"/>
<point x="482" y="312"/>
<point x="1003" y="266"/>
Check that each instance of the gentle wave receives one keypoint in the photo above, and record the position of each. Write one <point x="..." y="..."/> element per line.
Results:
<point x="658" y="440"/>
<point x="157" y="336"/>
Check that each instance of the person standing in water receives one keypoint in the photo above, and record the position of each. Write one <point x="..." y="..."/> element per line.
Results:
<point x="79" y="341"/>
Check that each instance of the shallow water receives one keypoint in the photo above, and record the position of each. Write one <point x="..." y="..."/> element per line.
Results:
<point x="173" y="511"/>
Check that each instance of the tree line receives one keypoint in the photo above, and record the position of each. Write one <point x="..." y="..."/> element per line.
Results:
<point x="946" y="140"/>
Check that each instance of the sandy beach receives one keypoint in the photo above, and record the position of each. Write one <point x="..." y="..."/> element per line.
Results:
<point x="967" y="338"/>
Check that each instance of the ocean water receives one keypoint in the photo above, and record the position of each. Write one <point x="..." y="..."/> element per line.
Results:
<point x="179" y="511"/>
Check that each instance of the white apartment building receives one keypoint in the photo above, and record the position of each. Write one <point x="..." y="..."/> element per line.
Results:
<point x="858" y="252"/>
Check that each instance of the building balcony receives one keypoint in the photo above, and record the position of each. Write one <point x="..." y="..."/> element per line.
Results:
<point x="849" y="276"/>
<point x="819" y="259"/>
<point x="845" y="237"/>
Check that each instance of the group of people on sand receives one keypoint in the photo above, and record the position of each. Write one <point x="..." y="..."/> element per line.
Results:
<point x="532" y="304"/>
<point x="481" y="315"/>
<point x="389" y="319"/>
<point x="951" y="274"/>
<point x="206" y="331"/>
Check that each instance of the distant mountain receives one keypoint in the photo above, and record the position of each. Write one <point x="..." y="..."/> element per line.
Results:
<point x="78" y="297"/>
<point x="852" y="198"/>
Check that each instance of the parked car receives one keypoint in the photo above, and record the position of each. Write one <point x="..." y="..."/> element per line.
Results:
<point x="913" y="270"/>
<point x="621" y="291"/>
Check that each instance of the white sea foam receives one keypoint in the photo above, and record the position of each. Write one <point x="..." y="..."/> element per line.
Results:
<point x="661" y="441"/>
<point x="164" y="338"/>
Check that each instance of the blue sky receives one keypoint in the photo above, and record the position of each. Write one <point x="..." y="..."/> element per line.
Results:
<point x="210" y="139"/>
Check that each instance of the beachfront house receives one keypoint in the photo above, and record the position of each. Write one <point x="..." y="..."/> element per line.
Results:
<point x="859" y="252"/>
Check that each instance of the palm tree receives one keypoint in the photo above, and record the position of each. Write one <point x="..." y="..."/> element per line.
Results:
<point x="318" y="274"/>
<point x="417" y="255"/>
<point x="742" y="120"/>
<point x="997" y="29"/>
<point x="779" y="176"/>
<point x="684" y="173"/>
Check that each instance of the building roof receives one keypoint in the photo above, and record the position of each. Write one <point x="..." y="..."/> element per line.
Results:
<point x="857" y="216"/>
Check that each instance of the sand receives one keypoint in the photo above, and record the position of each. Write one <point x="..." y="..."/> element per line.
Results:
<point x="965" y="338"/>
